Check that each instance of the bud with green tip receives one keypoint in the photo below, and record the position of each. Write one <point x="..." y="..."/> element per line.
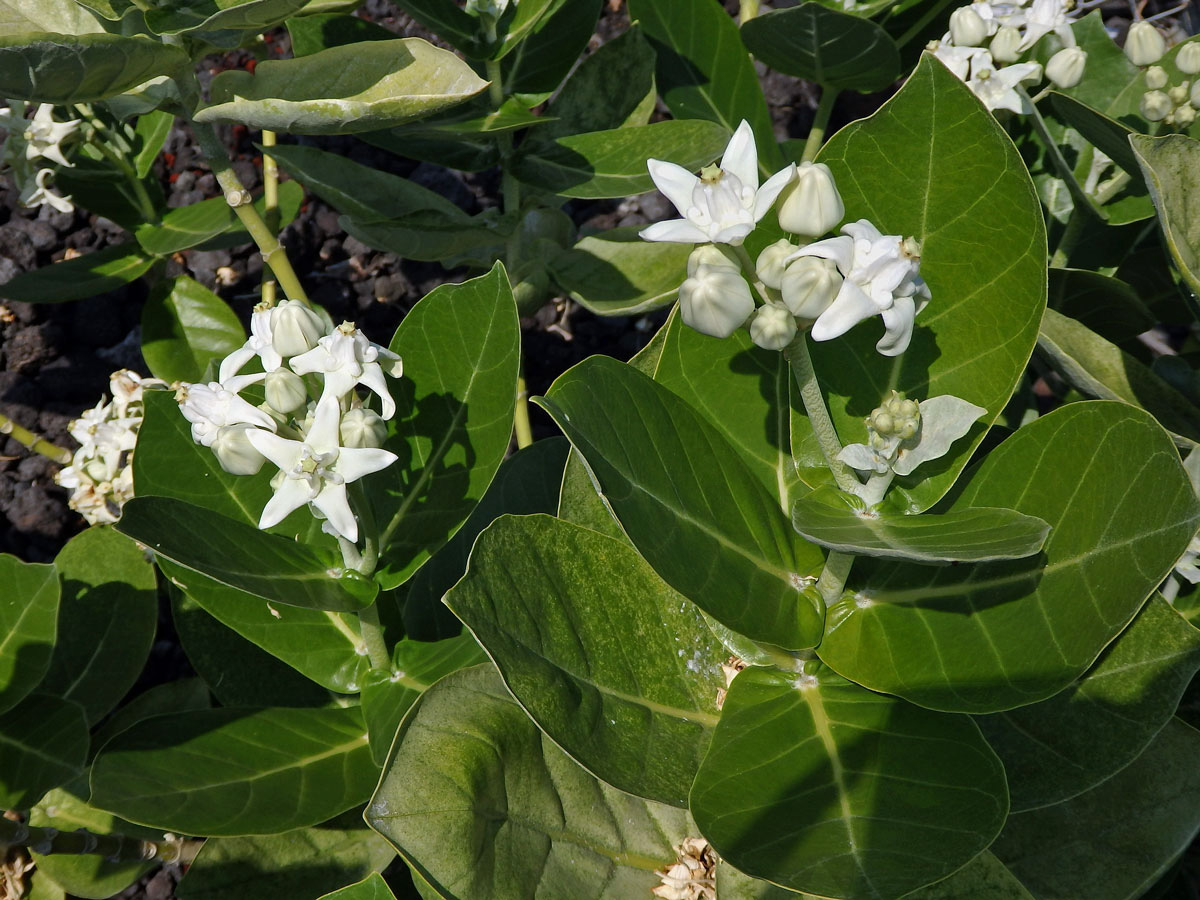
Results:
<point x="773" y="327"/>
<point x="1006" y="45"/>
<point x="285" y="391"/>
<point x="715" y="300"/>
<point x="967" y="28"/>
<point x="717" y="255"/>
<point x="811" y="204"/>
<point x="234" y="451"/>
<point x="1187" y="60"/>
<point x="1155" y="106"/>
<point x="362" y="428"/>
<point x="1183" y="116"/>
<point x="1156" y="78"/>
<point x="770" y="263"/>
<point x="1144" y="45"/>
<point x="1179" y="93"/>
<point x="895" y="417"/>
<point x="295" y="328"/>
<point x="810" y="285"/>
<point x="1065" y="68"/>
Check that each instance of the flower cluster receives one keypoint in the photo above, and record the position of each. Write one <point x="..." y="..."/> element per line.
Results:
<point x="1172" y="104"/>
<point x="29" y="141"/>
<point x="311" y="425"/>
<point x="692" y="876"/>
<point x="100" y="476"/>
<point x="829" y="286"/>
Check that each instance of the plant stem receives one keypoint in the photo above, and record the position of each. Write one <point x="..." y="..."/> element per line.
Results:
<point x="918" y="26"/>
<point x="139" y="189"/>
<point x="34" y="442"/>
<point x="796" y="353"/>
<point x="114" y="847"/>
<point x="364" y="563"/>
<point x="833" y="578"/>
<point x="816" y="135"/>
<point x="748" y="10"/>
<point x="270" y="173"/>
<point x="242" y="205"/>
<point x="521" y="415"/>
<point x="372" y="635"/>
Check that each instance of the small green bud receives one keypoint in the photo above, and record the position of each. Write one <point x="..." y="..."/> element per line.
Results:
<point x="1156" y="78"/>
<point x="1155" y="106"/>
<point x="1179" y="93"/>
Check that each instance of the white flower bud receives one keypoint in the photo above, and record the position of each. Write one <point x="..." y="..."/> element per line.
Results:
<point x="1144" y="45"/>
<point x="967" y="28"/>
<point x="1155" y="106"/>
<point x="810" y="285"/>
<point x="1184" y="116"/>
<point x="362" y="428"/>
<point x="769" y="266"/>
<point x="716" y="255"/>
<point x="811" y="204"/>
<point x="295" y="328"/>
<point x="1156" y="78"/>
<point x="773" y="327"/>
<point x="285" y="391"/>
<point x="234" y="451"/>
<point x="1006" y="45"/>
<point x="1187" y="60"/>
<point x="1179" y="93"/>
<point x="1065" y="68"/>
<point x="715" y="301"/>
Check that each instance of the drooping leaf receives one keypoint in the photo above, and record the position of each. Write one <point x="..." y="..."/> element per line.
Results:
<point x="692" y="507"/>
<point x="994" y="636"/>
<point x="481" y="804"/>
<point x="269" y="566"/>
<point x="448" y="21"/>
<point x="379" y="84"/>
<point x="73" y="279"/>
<point x="817" y="784"/>
<point x="311" y="34"/>
<point x="549" y="51"/>
<point x="1107" y="134"/>
<point x="1107" y="305"/>
<point x="103" y="190"/>
<point x="152" y="130"/>
<point x="837" y="50"/>
<point x="59" y="16"/>
<point x="182" y="16"/>
<point x="460" y="347"/>
<point x="236" y="771"/>
<point x="185" y="326"/>
<point x="616" y="273"/>
<point x="434" y="236"/>
<point x="1169" y="167"/>
<point x="614" y="665"/>
<point x="107" y="619"/>
<point x="28" y="626"/>
<point x="43" y="744"/>
<point x="47" y="67"/>
<point x="211" y="223"/>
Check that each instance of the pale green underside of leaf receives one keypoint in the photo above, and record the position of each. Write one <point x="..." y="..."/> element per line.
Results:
<point x="48" y="67"/>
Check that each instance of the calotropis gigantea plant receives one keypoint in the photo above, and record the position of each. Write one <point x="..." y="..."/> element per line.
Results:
<point x="812" y="599"/>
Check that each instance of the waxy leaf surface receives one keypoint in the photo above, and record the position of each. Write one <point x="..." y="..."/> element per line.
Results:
<point x="61" y="68"/>
<point x="211" y="223"/>
<point x="84" y="276"/>
<point x="993" y="636"/>
<point x="1169" y="166"/>
<point x="43" y="743"/>
<point x="185" y="326"/>
<point x="181" y="16"/>
<point x="616" y="273"/>
<point x="28" y="626"/>
<point x="60" y="16"/>
<point x="372" y="888"/>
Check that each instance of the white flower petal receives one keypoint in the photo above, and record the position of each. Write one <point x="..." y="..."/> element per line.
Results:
<point x="355" y="462"/>
<point x="233" y="363"/>
<point x="290" y="496"/>
<point x="372" y="378"/>
<point x="279" y="450"/>
<point x="898" y="322"/>
<point x="850" y="307"/>
<point x="675" y="182"/>
<point x="838" y="249"/>
<point x="323" y="434"/>
<point x="741" y="157"/>
<point x="333" y="503"/>
<point x="769" y="192"/>
<point x="679" y="231"/>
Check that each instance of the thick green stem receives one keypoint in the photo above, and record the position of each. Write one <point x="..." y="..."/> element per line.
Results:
<point x="747" y="11"/>
<point x="34" y="442"/>
<point x="270" y="170"/>
<point x="816" y="135"/>
<point x="113" y="847"/>
<point x="521" y="425"/>
<point x="242" y="204"/>
<point x="796" y="353"/>
<point x="364" y="563"/>
<point x="833" y="578"/>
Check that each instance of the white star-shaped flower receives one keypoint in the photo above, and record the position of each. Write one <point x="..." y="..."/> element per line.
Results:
<point x="724" y="204"/>
<point x="997" y="87"/>
<point x="37" y="193"/>
<point x="210" y="407"/>
<point x="44" y="136"/>
<point x="1043" y="17"/>
<point x="346" y="358"/>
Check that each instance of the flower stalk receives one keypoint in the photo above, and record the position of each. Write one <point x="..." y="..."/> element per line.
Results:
<point x="35" y="443"/>
<point x="816" y="135"/>
<point x="797" y="355"/>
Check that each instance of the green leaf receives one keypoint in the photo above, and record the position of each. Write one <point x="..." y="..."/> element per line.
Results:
<point x="616" y="273"/>
<point x="1068" y="744"/>
<point x="386" y="697"/>
<point x="835" y="49"/>
<point x="461" y="348"/>
<point x="103" y="190"/>
<point x="48" y="67"/>
<point x="379" y="84"/>
<point x="235" y="771"/>
<point x="549" y="51"/>
<point x="994" y="636"/>
<point x="1108" y="306"/>
<point x="268" y="566"/>
<point x="470" y="154"/>
<point x="527" y="482"/>
<point x="185" y="326"/>
<point x="1099" y="369"/>
<point x="43" y="743"/>
<point x="986" y="270"/>
<point x="1108" y="135"/>
<point x="522" y="19"/>
<point x="983" y="878"/>
<point x="580" y="503"/>
<point x="481" y="804"/>
<point x="372" y="888"/>
<point x="1113" y="85"/>
<point x="322" y="645"/>
<point x="28" y="626"/>
<point x="59" y="16"/>
<point x="434" y="236"/>
<point x="171" y="696"/>
<point x="689" y="503"/>
<point x="152" y="130"/>
<point x="211" y="221"/>
<point x="108" y="615"/>
<point x="311" y="34"/>
<point x="839" y="521"/>
<point x="1169" y="167"/>
<point x="1113" y="842"/>
<point x="182" y="16"/>
<point x="615" y="667"/>
<point x="297" y="865"/>
<point x="814" y="783"/>
<point x="449" y="22"/>
<point x="704" y="71"/>
<point x="613" y="163"/>
<point x="84" y="276"/>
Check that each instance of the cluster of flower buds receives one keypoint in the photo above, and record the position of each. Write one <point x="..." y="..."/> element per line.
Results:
<point x="1172" y="104"/>
<point x="830" y="285"/>
<point x="100" y="476"/>
<point x="28" y="142"/>
<point x="987" y="39"/>
<point x="311" y="424"/>
<point x="692" y="876"/>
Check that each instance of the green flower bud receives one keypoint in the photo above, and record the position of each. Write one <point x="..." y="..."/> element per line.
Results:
<point x="1156" y="78"/>
<point x="362" y="428"/>
<point x="1144" y="45"/>
<point x="1179" y="93"/>
<point x="1006" y="45"/>
<point x="1184" y="116"/>
<point x="1155" y="106"/>
<point x="285" y="391"/>
<point x="773" y="327"/>
<point x="1187" y="60"/>
<point x="770" y="266"/>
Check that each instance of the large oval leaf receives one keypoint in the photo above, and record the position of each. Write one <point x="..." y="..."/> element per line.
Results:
<point x="181" y="16"/>
<point x="691" y="506"/>
<point x="185" y="326"/>
<point x="616" y="273"/>
<point x="28" y="626"/>
<point x="58" y="16"/>
<point x="993" y="636"/>
<point x="379" y="84"/>
<point x="60" y="68"/>
<point x="820" y="785"/>
<point x="43" y="743"/>
<point x="934" y="164"/>
<point x="73" y="279"/>
<point x="610" y="662"/>
<point x="485" y="807"/>
<point x="1169" y="167"/>
<point x="236" y="771"/>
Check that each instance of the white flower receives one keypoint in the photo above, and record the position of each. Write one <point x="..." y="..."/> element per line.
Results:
<point x="234" y="451"/>
<point x="719" y="255"/>
<point x="811" y="205"/>
<point x="997" y="87"/>
<point x="44" y="136"/>
<point x="275" y="332"/>
<point x="1065" y="68"/>
<point x="880" y="277"/>
<point x="1043" y="17"/>
<point x="346" y="358"/>
<point x="773" y="327"/>
<point x="209" y="407"/>
<point x="317" y="470"/>
<point x="956" y="59"/>
<point x="967" y="27"/>
<point x="724" y="204"/>
<point x="715" y="301"/>
<point x="37" y="193"/>
<point x="1144" y="44"/>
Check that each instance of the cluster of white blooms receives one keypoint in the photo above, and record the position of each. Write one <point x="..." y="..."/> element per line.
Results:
<point x="100" y="476"/>
<point x="830" y="285"/>
<point x="1172" y="104"/>
<point x="692" y="876"/>
<point x="311" y="425"/>
<point x="28" y="142"/>
<point x="987" y="39"/>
